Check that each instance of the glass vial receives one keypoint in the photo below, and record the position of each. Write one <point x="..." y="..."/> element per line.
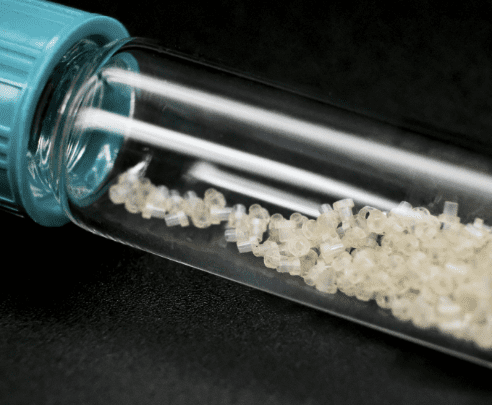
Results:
<point x="238" y="178"/>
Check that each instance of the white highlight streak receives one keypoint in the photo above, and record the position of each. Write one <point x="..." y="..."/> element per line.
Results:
<point x="153" y="135"/>
<point x="210" y="174"/>
<point x="401" y="163"/>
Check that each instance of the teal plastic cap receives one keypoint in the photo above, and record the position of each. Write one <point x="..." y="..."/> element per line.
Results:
<point x="34" y="36"/>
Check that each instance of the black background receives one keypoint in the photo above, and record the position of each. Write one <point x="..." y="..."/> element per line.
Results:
<point x="84" y="320"/>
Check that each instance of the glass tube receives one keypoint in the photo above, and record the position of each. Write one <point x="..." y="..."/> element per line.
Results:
<point x="163" y="153"/>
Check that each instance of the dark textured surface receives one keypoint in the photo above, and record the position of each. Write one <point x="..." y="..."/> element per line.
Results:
<point x="84" y="320"/>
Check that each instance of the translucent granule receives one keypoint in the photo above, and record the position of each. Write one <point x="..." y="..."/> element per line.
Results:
<point x="299" y="246"/>
<point x="238" y="214"/>
<point x="289" y="265"/>
<point x="199" y="215"/>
